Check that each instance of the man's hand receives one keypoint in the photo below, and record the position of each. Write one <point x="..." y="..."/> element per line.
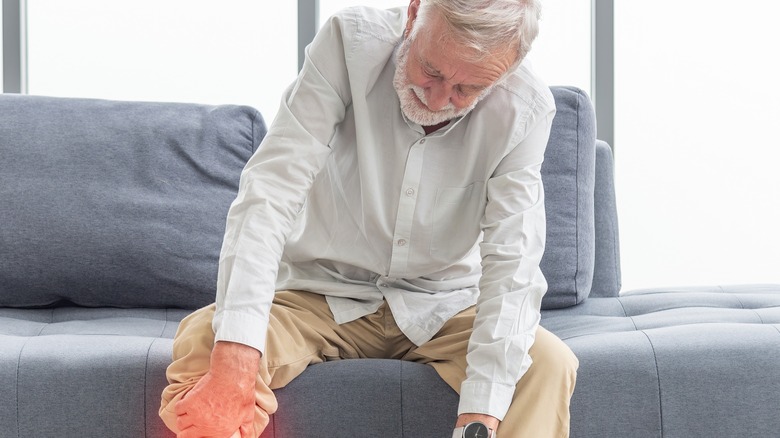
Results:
<point x="487" y="420"/>
<point x="222" y="403"/>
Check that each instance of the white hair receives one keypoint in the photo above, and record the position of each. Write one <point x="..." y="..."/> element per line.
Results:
<point x="486" y="26"/>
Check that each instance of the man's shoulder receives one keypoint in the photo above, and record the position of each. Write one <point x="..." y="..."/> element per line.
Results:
<point x="516" y="105"/>
<point x="525" y="86"/>
<point x="365" y="22"/>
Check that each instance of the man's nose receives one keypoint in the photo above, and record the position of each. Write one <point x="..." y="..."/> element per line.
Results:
<point x="438" y="96"/>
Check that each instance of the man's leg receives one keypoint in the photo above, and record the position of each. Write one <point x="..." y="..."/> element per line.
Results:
<point x="540" y="406"/>
<point x="301" y="332"/>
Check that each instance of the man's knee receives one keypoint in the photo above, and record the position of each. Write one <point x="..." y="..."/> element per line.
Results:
<point x="553" y="356"/>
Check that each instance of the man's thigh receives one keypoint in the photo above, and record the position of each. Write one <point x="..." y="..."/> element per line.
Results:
<point x="301" y="332"/>
<point x="446" y="352"/>
<point x="450" y="344"/>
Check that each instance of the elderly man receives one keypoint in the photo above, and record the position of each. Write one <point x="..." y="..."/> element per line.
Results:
<point x="395" y="209"/>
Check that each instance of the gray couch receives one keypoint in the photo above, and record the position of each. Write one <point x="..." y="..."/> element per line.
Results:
<point x="111" y="220"/>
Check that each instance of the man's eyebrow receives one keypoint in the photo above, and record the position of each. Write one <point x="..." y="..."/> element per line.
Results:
<point x="471" y="88"/>
<point x="475" y="88"/>
<point x="428" y="66"/>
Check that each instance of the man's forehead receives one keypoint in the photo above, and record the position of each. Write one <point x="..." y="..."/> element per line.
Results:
<point x="452" y="60"/>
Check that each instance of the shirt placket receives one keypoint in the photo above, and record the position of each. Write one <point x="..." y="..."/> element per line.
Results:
<point x="407" y="201"/>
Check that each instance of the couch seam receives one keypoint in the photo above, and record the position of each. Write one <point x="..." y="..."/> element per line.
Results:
<point x="614" y="223"/>
<point x="401" y="394"/>
<point x="758" y="315"/>
<point x="146" y="374"/>
<point x="252" y="140"/>
<point x="273" y="425"/>
<point x="736" y="297"/>
<point x="631" y="318"/>
<point x="165" y="325"/>
<point x="658" y="378"/>
<point x="615" y="249"/>
<point x="577" y="210"/>
<point x="19" y="367"/>
<point x="43" y="327"/>
<point x="624" y="310"/>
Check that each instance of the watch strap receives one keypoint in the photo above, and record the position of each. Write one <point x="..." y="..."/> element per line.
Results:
<point x="458" y="432"/>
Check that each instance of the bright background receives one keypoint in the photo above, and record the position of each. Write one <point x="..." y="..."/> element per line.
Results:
<point x="695" y="103"/>
<point x="697" y="107"/>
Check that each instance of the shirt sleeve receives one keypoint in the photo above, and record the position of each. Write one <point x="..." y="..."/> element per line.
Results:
<point x="512" y="285"/>
<point x="273" y="187"/>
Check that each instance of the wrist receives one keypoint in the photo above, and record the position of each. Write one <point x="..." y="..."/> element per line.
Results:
<point x="474" y="430"/>
<point x="466" y="418"/>
<point x="476" y="425"/>
<point x="234" y="361"/>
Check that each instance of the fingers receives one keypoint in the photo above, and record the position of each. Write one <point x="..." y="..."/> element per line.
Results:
<point x="195" y="433"/>
<point x="189" y="433"/>
<point x="247" y="430"/>
<point x="208" y="414"/>
<point x="180" y="408"/>
<point x="184" y="421"/>
<point x="189" y="427"/>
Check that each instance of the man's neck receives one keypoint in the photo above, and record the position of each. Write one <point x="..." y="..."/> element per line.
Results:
<point x="434" y="128"/>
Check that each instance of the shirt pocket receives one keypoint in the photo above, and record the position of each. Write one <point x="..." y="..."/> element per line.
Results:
<point x="456" y="216"/>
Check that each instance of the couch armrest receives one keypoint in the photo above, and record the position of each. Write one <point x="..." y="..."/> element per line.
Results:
<point x="606" y="275"/>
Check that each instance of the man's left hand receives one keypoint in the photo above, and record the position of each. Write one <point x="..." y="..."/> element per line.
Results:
<point x="488" y="420"/>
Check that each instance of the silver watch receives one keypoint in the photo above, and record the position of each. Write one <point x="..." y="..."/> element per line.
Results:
<point x="476" y="429"/>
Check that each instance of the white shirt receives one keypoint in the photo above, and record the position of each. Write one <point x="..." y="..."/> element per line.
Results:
<point x="347" y="198"/>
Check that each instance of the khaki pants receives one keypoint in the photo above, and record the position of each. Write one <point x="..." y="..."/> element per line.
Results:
<point x="302" y="332"/>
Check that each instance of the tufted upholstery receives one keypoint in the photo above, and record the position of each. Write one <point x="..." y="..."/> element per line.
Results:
<point x="99" y="358"/>
<point x="690" y="362"/>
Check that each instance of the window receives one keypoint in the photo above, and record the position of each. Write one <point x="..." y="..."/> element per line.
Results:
<point x="236" y="51"/>
<point x="696" y="109"/>
<point x="561" y="52"/>
<point x="330" y="7"/>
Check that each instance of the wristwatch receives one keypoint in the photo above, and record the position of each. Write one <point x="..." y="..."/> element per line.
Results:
<point x="476" y="429"/>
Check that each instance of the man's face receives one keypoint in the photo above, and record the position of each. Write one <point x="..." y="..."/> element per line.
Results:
<point x="433" y="80"/>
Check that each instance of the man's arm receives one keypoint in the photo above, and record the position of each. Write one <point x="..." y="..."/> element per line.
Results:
<point x="511" y="286"/>
<point x="272" y="190"/>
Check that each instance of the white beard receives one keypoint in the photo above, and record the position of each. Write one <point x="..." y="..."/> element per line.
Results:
<point x="417" y="110"/>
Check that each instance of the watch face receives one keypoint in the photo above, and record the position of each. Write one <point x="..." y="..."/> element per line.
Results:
<point x="475" y="430"/>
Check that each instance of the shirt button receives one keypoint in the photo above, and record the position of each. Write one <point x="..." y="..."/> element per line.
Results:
<point x="422" y="141"/>
<point x="383" y="284"/>
<point x="401" y="242"/>
<point x="410" y="192"/>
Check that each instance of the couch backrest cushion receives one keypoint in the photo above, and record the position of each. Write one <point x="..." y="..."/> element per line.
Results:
<point x="568" y="173"/>
<point x="116" y="203"/>
<point x="137" y="192"/>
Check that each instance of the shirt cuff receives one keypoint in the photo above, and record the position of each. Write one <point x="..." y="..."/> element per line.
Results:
<point x="485" y="398"/>
<point x="240" y="327"/>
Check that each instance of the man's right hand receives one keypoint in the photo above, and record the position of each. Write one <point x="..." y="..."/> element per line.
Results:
<point x="222" y="403"/>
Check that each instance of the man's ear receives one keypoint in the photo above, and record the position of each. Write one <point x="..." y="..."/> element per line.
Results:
<point x="411" y="16"/>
